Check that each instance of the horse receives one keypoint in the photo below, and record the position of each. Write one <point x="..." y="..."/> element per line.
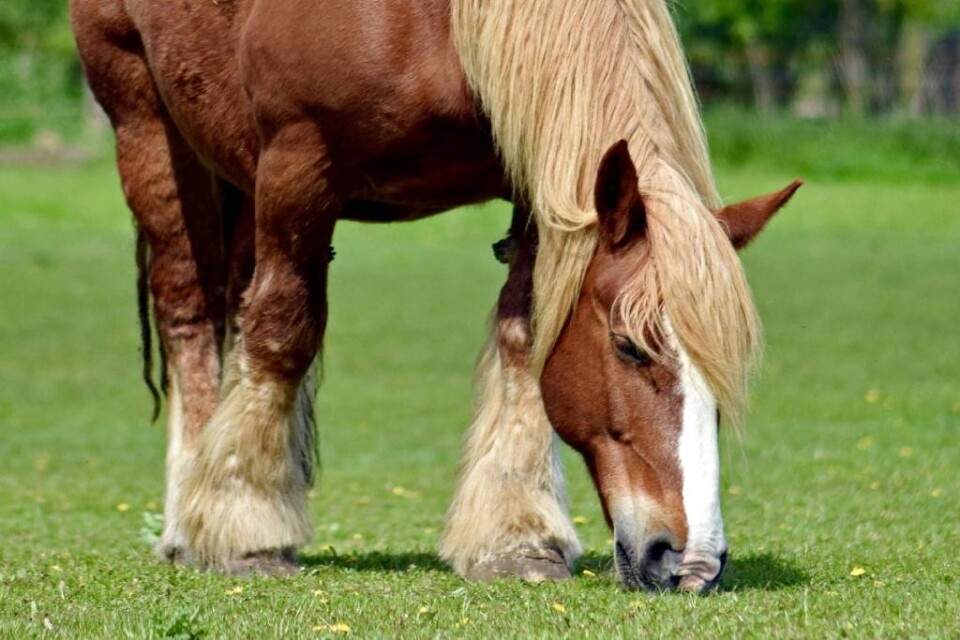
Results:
<point x="246" y="129"/>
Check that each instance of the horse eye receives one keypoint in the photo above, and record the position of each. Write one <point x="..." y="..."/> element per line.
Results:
<point x="628" y="351"/>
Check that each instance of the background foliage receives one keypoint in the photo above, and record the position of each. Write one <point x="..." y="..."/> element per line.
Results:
<point x="828" y="57"/>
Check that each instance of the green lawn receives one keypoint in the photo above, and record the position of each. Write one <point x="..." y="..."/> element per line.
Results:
<point x="842" y="500"/>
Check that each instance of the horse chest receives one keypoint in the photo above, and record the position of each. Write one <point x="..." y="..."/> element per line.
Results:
<point x="440" y="166"/>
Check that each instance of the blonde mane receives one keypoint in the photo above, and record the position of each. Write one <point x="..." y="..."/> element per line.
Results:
<point x="561" y="82"/>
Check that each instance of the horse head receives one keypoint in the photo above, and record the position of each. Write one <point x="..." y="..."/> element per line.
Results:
<point x="633" y="402"/>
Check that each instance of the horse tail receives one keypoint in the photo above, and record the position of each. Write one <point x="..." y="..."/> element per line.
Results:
<point x="146" y="331"/>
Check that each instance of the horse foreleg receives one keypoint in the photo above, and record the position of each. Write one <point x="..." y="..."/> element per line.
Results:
<point x="508" y="515"/>
<point x="244" y="500"/>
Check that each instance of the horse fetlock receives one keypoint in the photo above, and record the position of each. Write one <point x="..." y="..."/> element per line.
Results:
<point x="234" y="507"/>
<point x="245" y="493"/>
<point x="516" y="532"/>
<point x="227" y="527"/>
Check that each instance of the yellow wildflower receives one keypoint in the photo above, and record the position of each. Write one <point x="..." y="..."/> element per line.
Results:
<point x="42" y="462"/>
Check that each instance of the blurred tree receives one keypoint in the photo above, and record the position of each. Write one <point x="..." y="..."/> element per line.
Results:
<point x="930" y="57"/>
<point x="763" y="40"/>
<point x="875" y="54"/>
<point x="31" y="24"/>
<point x="40" y="77"/>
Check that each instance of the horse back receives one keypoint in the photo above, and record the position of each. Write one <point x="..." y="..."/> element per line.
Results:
<point x="381" y="81"/>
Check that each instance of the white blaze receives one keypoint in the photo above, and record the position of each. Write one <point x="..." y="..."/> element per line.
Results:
<point x="699" y="454"/>
<point x="700" y="464"/>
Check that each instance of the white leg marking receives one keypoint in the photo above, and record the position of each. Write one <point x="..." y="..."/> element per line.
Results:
<point x="173" y="540"/>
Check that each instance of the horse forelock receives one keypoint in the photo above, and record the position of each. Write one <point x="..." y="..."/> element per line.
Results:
<point x="559" y="86"/>
<point x="695" y="280"/>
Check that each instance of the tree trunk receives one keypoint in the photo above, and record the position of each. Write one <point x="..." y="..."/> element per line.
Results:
<point x="914" y="45"/>
<point x="852" y="62"/>
<point x="940" y="89"/>
<point x="762" y="77"/>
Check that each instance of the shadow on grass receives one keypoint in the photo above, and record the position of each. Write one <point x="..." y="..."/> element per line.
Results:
<point x="752" y="572"/>
<point x="762" y="572"/>
<point x="376" y="561"/>
<point x="758" y="571"/>
<point x="598" y="563"/>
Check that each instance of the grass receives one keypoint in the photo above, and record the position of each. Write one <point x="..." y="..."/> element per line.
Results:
<point x="893" y="149"/>
<point x="841" y="501"/>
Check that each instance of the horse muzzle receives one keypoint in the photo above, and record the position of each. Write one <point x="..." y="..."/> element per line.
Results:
<point x="655" y="566"/>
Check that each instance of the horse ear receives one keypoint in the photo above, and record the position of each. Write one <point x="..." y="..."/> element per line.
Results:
<point x="617" y="197"/>
<point x="744" y="220"/>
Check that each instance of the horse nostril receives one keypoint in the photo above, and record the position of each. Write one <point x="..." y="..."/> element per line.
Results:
<point x="656" y="551"/>
<point x="660" y="565"/>
<point x="651" y="568"/>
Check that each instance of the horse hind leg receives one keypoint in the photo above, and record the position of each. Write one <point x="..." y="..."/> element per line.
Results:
<point x="186" y="283"/>
<point x="508" y="516"/>
<point x="175" y="202"/>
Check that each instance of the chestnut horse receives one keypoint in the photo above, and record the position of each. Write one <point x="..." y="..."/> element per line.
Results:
<point x="245" y="129"/>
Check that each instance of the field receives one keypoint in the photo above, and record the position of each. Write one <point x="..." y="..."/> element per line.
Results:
<point x="841" y="498"/>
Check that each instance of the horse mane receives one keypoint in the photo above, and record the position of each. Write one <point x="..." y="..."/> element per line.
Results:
<point x="561" y="82"/>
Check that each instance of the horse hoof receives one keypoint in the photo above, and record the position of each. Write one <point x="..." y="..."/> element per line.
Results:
<point x="270" y="564"/>
<point x="531" y="564"/>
